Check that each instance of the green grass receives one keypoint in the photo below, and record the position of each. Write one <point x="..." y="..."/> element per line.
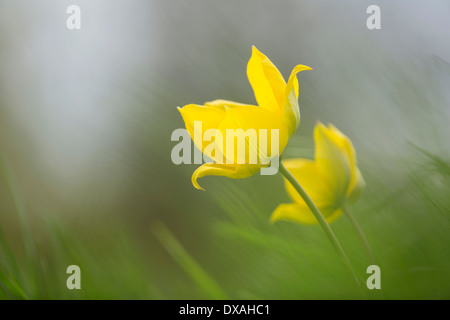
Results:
<point x="243" y="255"/>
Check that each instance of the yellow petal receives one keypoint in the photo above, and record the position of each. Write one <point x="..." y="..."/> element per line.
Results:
<point x="307" y="174"/>
<point x="223" y="104"/>
<point x="301" y="214"/>
<point x="230" y="171"/>
<point x="253" y="122"/>
<point x="332" y="161"/>
<point x="356" y="185"/>
<point x="345" y="146"/>
<point x="210" y="118"/>
<point x="267" y="82"/>
<point x="291" y="111"/>
<point x="342" y="142"/>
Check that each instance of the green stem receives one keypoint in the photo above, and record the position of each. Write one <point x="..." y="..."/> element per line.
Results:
<point x="323" y="223"/>
<point x="361" y="235"/>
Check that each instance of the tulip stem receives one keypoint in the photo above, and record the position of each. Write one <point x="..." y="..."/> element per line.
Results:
<point x="361" y="235"/>
<point x="323" y="223"/>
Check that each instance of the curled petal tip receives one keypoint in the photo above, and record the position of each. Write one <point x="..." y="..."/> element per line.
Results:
<point x="195" y="183"/>
<point x="300" y="67"/>
<point x="197" y="186"/>
<point x="194" y="178"/>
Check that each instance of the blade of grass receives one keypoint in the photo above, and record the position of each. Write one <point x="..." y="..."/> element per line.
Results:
<point x="11" y="288"/>
<point x="20" y="206"/>
<point x="192" y="268"/>
<point x="19" y="203"/>
<point x="11" y="262"/>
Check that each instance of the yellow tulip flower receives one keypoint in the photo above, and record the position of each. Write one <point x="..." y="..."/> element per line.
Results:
<point x="277" y="108"/>
<point x="330" y="180"/>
